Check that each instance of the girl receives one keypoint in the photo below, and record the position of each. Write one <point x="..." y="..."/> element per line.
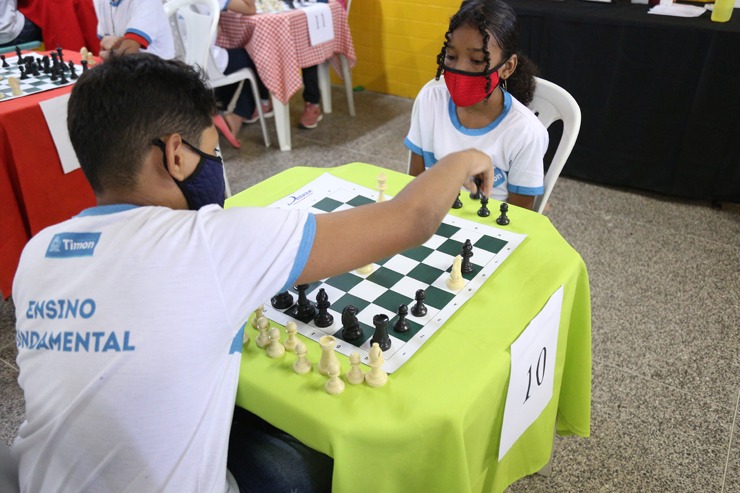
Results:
<point x="481" y="103"/>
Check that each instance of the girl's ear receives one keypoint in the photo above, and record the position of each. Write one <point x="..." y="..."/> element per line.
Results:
<point x="508" y="68"/>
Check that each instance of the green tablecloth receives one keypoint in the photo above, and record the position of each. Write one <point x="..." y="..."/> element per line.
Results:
<point x="435" y="426"/>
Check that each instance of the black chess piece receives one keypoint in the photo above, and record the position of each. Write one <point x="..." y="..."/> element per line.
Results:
<point x="323" y="318"/>
<point x="61" y="58"/>
<point x="53" y="74"/>
<point x="73" y="75"/>
<point x="45" y="61"/>
<point x="380" y="321"/>
<point x="351" y="330"/>
<point x="476" y="195"/>
<point x="24" y="76"/>
<point x="419" y="309"/>
<point x="503" y="219"/>
<point x="457" y="204"/>
<point x="19" y="54"/>
<point x="5" y="64"/>
<point x="401" y="324"/>
<point x="54" y="59"/>
<point x="84" y="65"/>
<point x="35" y="69"/>
<point x="62" y="75"/>
<point x="305" y="310"/>
<point x="282" y="301"/>
<point x="483" y="211"/>
<point x="466" y="267"/>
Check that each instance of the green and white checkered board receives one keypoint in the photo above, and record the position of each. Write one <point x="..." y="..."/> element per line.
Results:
<point x="395" y="280"/>
<point x="32" y="85"/>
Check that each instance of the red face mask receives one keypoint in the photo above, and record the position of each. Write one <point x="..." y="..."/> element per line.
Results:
<point x="469" y="88"/>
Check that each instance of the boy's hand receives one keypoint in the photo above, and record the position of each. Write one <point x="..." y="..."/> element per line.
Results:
<point x="481" y="167"/>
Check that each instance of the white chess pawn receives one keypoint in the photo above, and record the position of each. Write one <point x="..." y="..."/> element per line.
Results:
<point x="275" y="349"/>
<point x="245" y="339"/>
<point x="263" y="326"/>
<point x="257" y="315"/>
<point x="290" y="343"/>
<point x="456" y="281"/>
<point x="334" y="385"/>
<point x="366" y="270"/>
<point x="376" y="377"/>
<point x="355" y="374"/>
<point x="381" y="187"/>
<point x="301" y="364"/>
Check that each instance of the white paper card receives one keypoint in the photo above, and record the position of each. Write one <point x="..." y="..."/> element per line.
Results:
<point x="55" y="112"/>
<point x="533" y="357"/>
<point x="320" y="23"/>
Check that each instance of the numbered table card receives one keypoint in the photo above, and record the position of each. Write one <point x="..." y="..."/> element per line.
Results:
<point x="533" y="357"/>
<point x="320" y="23"/>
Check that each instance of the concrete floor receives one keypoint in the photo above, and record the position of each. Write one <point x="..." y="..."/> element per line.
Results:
<point x="665" y="287"/>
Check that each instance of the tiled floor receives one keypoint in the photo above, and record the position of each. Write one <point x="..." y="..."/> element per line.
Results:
<point x="665" y="286"/>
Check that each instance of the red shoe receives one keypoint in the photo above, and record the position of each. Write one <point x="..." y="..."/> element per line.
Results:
<point x="311" y="116"/>
<point x="224" y="129"/>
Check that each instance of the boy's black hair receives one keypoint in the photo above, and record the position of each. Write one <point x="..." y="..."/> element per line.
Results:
<point x="497" y="18"/>
<point x="118" y="108"/>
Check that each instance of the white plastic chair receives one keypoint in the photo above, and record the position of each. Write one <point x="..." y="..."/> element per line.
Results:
<point x="8" y="471"/>
<point x="193" y="46"/>
<point x="551" y="103"/>
<point x="325" y="81"/>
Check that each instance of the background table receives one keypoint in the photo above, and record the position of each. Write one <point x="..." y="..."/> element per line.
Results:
<point x="70" y="24"/>
<point x="280" y="46"/>
<point x="660" y="96"/>
<point x="34" y="191"/>
<point x="435" y="426"/>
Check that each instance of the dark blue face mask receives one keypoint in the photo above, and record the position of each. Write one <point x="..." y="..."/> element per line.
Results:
<point x="205" y="185"/>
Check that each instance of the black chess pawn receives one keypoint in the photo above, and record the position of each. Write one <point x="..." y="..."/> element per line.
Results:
<point x="457" y="204"/>
<point x="282" y="301"/>
<point x="53" y="74"/>
<point x="19" y="54"/>
<point x="323" y="318"/>
<point x="24" y="76"/>
<point x="380" y="321"/>
<point x="62" y="75"/>
<point x="5" y="64"/>
<point x="476" y="195"/>
<point x="483" y="211"/>
<point x="73" y="75"/>
<point x="35" y="71"/>
<point x="351" y="330"/>
<point x="466" y="267"/>
<point x="401" y="324"/>
<point x="45" y="61"/>
<point x="503" y="219"/>
<point x="84" y="65"/>
<point x="419" y="309"/>
<point x="305" y="310"/>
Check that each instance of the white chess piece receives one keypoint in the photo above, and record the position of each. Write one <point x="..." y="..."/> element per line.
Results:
<point x="456" y="281"/>
<point x="328" y="355"/>
<point x="263" y="326"/>
<point x="355" y="374"/>
<point x="382" y="179"/>
<point x="275" y="349"/>
<point x="245" y="339"/>
<point x="257" y="315"/>
<point x="290" y="343"/>
<point x="334" y="385"/>
<point x="301" y="364"/>
<point x="366" y="270"/>
<point x="376" y="377"/>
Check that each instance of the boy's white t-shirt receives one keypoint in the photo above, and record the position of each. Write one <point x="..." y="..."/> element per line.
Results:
<point x="142" y="20"/>
<point x="11" y="21"/>
<point x="129" y="334"/>
<point x="516" y="140"/>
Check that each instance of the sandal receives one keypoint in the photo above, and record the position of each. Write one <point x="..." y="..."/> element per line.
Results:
<point x="224" y="129"/>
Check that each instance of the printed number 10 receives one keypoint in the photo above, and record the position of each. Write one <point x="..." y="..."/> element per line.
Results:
<point x="539" y="376"/>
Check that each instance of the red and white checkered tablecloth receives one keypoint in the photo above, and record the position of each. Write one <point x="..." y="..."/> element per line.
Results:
<point x="279" y="45"/>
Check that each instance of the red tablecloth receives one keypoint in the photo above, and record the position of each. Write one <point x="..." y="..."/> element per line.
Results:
<point x="70" y="24"/>
<point x="34" y="191"/>
<point x="279" y="45"/>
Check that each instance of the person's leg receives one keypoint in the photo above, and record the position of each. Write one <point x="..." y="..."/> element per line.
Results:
<point x="312" y="97"/>
<point x="265" y="459"/>
<point x="30" y="32"/>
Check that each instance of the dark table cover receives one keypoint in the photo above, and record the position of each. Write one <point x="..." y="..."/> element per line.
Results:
<point x="660" y="96"/>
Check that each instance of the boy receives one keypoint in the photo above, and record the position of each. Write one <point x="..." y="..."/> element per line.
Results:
<point x="130" y="26"/>
<point x="128" y="315"/>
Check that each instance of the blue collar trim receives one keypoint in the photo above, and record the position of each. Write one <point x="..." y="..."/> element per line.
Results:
<point x="106" y="209"/>
<point x="452" y="110"/>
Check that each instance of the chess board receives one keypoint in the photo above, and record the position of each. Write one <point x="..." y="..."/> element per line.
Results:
<point x="395" y="280"/>
<point x="32" y="85"/>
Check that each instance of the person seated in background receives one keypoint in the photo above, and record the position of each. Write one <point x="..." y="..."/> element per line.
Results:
<point x="130" y="26"/>
<point x="482" y="103"/>
<point x="130" y="315"/>
<point x="229" y="60"/>
<point x="15" y="28"/>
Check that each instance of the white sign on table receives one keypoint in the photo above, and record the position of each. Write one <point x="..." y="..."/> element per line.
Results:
<point x="320" y="23"/>
<point x="55" y="113"/>
<point x="533" y="357"/>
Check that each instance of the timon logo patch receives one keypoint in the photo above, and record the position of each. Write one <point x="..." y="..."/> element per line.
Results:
<point x="64" y="245"/>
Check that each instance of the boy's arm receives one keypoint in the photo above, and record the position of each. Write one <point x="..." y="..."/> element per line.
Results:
<point x="350" y="239"/>
<point x="245" y="7"/>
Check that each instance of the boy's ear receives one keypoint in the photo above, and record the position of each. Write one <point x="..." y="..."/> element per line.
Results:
<point x="175" y="157"/>
<point x="508" y="68"/>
